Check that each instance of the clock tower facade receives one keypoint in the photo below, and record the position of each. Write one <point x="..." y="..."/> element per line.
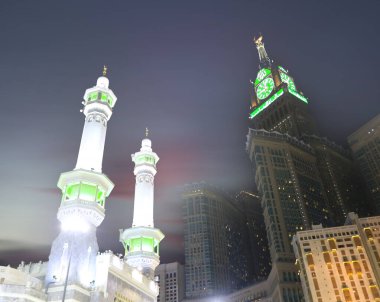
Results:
<point x="277" y="104"/>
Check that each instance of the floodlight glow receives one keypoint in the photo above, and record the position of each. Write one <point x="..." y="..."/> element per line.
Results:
<point x="152" y="286"/>
<point x="137" y="275"/>
<point x="75" y="224"/>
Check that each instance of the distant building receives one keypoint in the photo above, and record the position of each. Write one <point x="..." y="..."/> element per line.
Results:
<point x="340" y="263"/>
<point x="171" y="281"/>
<point x="365" y="146"/>
<point x="250" y="205"/>
<point x="216" y="243"/>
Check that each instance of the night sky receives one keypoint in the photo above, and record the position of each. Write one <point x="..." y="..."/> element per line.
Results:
<point x="181" y="68"/>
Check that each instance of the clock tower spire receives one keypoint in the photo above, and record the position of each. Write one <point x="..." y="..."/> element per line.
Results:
<point x="274" y="84"/>
<point x="263" y="56"/>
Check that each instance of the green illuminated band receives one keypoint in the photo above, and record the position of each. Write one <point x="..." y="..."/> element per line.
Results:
<point x="266" y="103"/>
<point x="145" y="159"/>
<point x="298" y="95"/>
<point x="282" y="69"/>
<point x="101" y="97"/>
<point x="145" y="244"/>
<point x="84" y="191"/>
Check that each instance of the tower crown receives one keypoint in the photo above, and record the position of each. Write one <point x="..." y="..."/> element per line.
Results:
<point x="263" y="56"/>
<point x="271" y="83"/>
<point x="100" y="96"/>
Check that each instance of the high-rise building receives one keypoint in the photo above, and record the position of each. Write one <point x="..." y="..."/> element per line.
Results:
<point x="279" y="106"/>
<point x="216" y="243"/>
<point x="250" y="204"/>
<point x="292" y="192"/>
<point x="76" y="271"/>
<point x="171" y="280"/>
<point x="342" y="183"/>
<point x="303" y="179"/>
<point x="365" y="146"/>
<point x="340" y="263"/>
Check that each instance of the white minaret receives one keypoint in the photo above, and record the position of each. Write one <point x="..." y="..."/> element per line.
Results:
<point x="84" y="190"/>
<point x="141" y="242"/>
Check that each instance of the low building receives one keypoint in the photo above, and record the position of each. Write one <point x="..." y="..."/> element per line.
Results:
<point x="171" y="281"/>
<point x="340" y="263"/>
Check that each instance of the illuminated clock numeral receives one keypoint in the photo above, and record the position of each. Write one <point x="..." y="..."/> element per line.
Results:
<point x="262" y="74"/>
<point x="286" y="79"/>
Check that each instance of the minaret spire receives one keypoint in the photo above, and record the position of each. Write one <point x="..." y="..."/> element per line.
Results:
<point x="72" y="259"/>
<point x="141" y="242"/>
<point x="263" y="56"/>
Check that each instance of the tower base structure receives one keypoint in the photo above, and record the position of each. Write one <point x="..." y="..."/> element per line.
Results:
<point x="115" y="281"/>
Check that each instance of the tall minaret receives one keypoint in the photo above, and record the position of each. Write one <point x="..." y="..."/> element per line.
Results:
<point x="141" y="242"/>
<point x="263" y="56"/>
<point x="84" y="191"/>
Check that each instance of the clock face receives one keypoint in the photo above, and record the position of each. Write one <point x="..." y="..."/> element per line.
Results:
<point x="265" y="88"/>
<point x="286" y="79"/>
<point x="262" y="74"/>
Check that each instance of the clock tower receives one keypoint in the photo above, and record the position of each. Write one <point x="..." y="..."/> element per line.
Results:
<point x="277" y="104"/>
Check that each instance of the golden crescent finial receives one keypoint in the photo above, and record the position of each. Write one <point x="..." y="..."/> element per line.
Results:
<point x="259" y="40"/>
<point x="104" y="70"/>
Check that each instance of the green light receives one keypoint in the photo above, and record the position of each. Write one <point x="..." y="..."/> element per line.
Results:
<point x="135" y="244"/>
<point x="93" y="96"/>
<point x="104" y="97"/>
<point x="72" y="191"/>
<point x="144" y="159"/>
<point x="288" y="80"/>
<point x="265" y="88"/>
<point x="282" y="69"/>
<point x="85" y="191"/>
<point x="298" y="95"/>
<point x="147" y="244"/>
<point x="100" y="197"/>
<point x="261" y="75"/>
<point x="266" y="103"/>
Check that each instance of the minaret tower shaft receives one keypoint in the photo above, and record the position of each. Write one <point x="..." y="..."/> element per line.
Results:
<point x="141" y="242"/>
<point x="72" y="259"/>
